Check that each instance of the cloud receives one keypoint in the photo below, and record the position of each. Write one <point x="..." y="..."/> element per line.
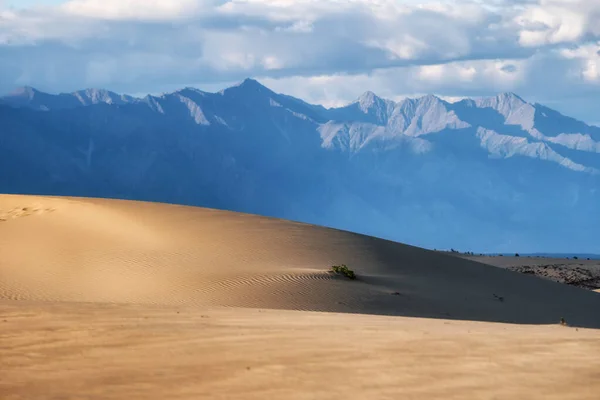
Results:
<point x="587" y="62"/>
<point x="323" y="50"/>
<point x="558" y="21"/>
<point x="136" y="9"/>
<point x="452" y="80"/>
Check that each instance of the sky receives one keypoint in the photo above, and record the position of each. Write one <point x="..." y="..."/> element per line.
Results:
<point x="323" y="51"/>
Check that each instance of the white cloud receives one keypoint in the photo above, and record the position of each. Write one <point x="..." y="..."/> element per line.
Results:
<point x="272" y="63"/>
<point x="473" y="78"/>
<point x="132" y="9"/>
<point x="591" y="72"/>
<point x="558" y="21"/>
<point x="406" y="47"/>
<point x="587" y="62"/>
<point x="475" y="74"/>
<point x="326" y="51"/>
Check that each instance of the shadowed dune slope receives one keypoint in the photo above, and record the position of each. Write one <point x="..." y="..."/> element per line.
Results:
<point x="112" y="251"/>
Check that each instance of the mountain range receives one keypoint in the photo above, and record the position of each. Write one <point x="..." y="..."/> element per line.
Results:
<point x="494" y="174"/>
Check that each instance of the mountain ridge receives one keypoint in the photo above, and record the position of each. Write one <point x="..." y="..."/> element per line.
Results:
<point x="369" y="118"/>
<point x="377" y="110"/>
<point x="246" y="83"/>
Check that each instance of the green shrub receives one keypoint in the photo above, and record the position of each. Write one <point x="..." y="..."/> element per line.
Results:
<point x="343" y="270"/>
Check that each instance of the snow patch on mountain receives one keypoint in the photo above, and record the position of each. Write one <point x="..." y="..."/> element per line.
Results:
<point x="346" y="137"/>
<point x="396" y="123"/>
<point x="220" y="120"/>
<point x="429" y="114"/>
<point x="513" y="108"/>
<point x="506" y="146"/>
<point x="357" y="136"/>
<point x="154" y="104"/>
<point x="298" y="115"/>
<point x="576" y="141"/>
<point x="194" y="110"/>
<point x="274" y="103"/>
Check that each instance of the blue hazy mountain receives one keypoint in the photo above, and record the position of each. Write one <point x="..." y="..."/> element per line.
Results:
<point x="493" y="174"/>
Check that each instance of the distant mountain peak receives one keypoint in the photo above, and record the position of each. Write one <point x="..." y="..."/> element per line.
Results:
<point x="248" y="85"/>
<point x="369" y="102"/>
<point x="508" y="104"/>
<point x="367" y="97"/>
<point x="510" y="96"/>
<point x="505" y="99"/>
<point x="189" y="89"/>
<point x="250" y="81"/>
<point x="429" y="99"/>
<point x="426" y="100"/>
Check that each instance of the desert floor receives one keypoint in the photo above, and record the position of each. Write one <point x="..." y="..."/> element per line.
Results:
<point x="107" y="299"/>
<point x="579" y="272"/>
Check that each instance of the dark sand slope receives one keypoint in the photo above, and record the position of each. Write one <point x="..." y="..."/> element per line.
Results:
<point x="90" y="250"/>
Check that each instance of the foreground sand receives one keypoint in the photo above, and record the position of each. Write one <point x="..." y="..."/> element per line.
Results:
<point x="105" y="299"/>
<point x="95" y="351"/>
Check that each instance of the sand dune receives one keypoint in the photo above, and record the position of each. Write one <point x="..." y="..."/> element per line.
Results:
<point x="90" y="250"/>
<point x="108" y="299"/>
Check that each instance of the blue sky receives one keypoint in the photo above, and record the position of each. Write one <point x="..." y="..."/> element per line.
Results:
<point x="325" y="51"/>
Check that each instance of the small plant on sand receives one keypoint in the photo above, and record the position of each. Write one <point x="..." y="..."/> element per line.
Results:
<point x="343" y="270"/>
<point x="563" y="322"/>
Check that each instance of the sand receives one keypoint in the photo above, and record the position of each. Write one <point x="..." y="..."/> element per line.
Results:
<point x="107" y="299"/>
